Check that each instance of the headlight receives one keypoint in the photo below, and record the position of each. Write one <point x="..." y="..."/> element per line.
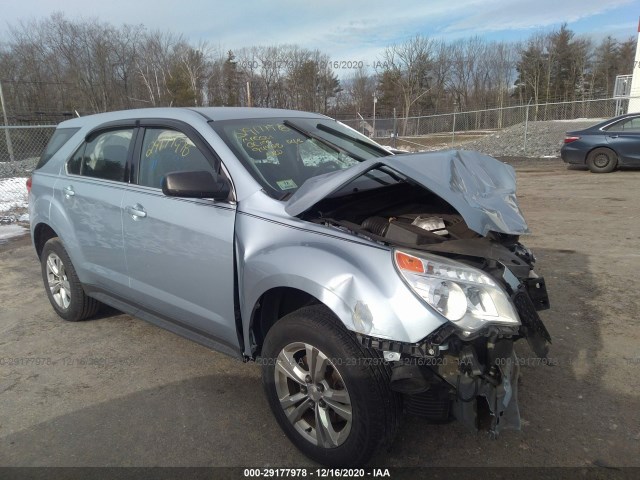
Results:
<point x="464" y="295"/>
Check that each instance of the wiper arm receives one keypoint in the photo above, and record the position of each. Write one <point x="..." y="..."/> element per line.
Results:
<point x="359" y="141"/>
<point x="327" y="143"/>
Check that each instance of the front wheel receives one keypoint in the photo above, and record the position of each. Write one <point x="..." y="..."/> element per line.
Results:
<point x="63" y="286"/>
<point x="329" y="394"/>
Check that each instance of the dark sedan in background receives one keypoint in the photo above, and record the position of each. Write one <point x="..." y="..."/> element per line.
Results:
<point x="605" y="146"/>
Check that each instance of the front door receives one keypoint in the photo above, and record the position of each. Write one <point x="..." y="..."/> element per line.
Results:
<point x="179" y="251"/>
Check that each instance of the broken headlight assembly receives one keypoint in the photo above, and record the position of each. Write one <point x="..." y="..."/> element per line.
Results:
<point x="466" y="296"/>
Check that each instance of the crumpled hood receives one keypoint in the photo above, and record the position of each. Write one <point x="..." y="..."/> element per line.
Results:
<point x="481" y="188"/>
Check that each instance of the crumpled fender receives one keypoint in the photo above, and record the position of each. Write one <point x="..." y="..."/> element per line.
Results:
<point x="356" y="280"/>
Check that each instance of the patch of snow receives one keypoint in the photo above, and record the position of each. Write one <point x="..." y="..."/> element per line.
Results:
<point x="13" y="193"/>
<point x="11" y="231"/>
<point x="594" y="120"/>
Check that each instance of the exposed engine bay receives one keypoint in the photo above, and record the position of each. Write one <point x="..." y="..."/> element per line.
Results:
<point x="451" y="373"/>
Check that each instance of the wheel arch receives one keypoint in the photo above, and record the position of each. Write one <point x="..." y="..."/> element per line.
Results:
<point x="273" y="305"/>
<point x="42" y="233"/>
<point x="606" y="145"/>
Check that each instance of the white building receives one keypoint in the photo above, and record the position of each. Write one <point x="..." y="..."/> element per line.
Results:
<point x="634" y="94"/>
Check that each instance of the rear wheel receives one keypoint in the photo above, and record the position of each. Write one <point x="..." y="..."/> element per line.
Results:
<point x="63" y="286"/>
<point x="602" y="160"/>
<point x="329" y="394"/>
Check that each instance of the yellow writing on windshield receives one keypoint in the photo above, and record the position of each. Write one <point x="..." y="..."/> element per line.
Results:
<point x="260" y="138"/>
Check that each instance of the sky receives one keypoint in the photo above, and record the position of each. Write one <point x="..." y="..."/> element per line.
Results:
<point x="356" y="31"/>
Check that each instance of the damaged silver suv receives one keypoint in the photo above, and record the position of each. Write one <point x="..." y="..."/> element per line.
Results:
<point x="366" y="284"/>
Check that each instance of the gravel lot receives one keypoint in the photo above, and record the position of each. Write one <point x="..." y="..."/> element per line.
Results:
<point x="544" y="139"/>
<point x="117" y="391"/>
<point x="18" y="168"/>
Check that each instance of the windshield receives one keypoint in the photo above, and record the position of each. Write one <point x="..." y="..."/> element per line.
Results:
<point x="282" y="153"/>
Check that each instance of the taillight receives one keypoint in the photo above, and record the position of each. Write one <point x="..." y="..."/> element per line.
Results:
<point x="29" y="185"/>
<point x="569" y="139"/>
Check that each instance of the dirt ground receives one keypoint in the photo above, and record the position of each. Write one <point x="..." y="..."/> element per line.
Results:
<point x="117" y="391"/>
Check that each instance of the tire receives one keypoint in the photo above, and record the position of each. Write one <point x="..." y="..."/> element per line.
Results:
<point x="355" y="384"/>
<point x="63" y="287"/>
<point x="602" y="160"/>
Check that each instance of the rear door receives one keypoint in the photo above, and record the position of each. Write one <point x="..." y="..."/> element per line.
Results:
<point x="91" y="193"/>
<point x="179" y="251"/>
<point x="624" y="138"/>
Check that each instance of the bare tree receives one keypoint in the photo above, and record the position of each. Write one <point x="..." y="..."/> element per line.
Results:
<point x="409" y="66"/>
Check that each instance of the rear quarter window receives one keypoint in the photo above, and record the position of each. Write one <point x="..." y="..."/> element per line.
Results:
<point x="58" y="139"/>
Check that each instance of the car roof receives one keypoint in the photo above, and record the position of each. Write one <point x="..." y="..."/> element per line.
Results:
<point x="186" y="114"/>
<point x="236" y="113"/>
<point x="597" y="127"/>
<point x="614" y="120"/>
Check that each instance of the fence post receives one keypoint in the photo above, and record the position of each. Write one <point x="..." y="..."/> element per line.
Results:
<point x="395" y="129"/>
<point x="526" y="125"/>
<point x="375" y="100"/>
<point x="453" y="128"/>
<point x="6" y="125"/>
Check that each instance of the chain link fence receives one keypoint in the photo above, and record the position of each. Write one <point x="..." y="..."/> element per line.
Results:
<point x="21" y="146"/>
<point x="20" y="149"/>
<point x="489" y="119"/>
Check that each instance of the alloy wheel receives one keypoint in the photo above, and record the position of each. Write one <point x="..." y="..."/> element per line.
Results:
<point x="313" y="395"/>
<point x="57" y="281"/>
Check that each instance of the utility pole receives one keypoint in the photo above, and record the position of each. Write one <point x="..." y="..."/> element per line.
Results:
<point x="248" y="94"/>
<point x="6" y="126"/>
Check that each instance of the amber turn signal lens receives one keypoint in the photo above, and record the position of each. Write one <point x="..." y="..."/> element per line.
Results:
<point x="409" y="263"/>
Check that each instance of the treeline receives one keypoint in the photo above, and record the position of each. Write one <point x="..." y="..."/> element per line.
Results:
<point x="59" y="66"/>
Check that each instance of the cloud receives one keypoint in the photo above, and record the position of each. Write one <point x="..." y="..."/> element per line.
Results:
<point x="341" y="29"/>
<point x="505" y="15"/>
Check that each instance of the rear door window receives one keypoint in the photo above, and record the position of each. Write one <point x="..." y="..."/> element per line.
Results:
<point x="105" y="156"/>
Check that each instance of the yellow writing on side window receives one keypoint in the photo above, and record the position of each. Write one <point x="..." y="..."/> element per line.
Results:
<point x="180" y="145"/>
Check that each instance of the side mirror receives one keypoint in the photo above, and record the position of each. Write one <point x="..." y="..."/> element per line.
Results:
<point x="196" y="185"/>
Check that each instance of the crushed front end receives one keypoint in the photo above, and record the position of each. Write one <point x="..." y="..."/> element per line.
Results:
<point x="452" y="222"/>
<point x="468" y="369"/>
